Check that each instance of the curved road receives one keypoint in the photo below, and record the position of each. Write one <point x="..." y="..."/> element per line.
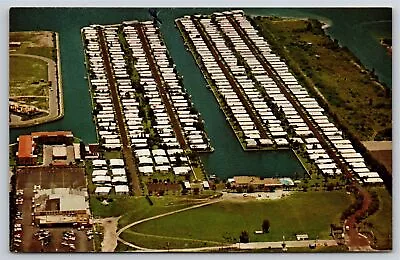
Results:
<point x="53" y="100"/>
<point x="156" y="217"/>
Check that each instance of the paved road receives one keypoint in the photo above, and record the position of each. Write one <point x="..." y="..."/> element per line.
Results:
<point x="126" y="148"/>
<point x="53" y="100"/>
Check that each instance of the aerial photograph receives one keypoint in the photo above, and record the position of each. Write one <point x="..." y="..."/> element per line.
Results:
<point x="215" y="130"/>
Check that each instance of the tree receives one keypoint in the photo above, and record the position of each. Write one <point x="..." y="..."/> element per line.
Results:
<point x="265" y="226"/>
<point x="250" y="189"/>
<point x="244" y="237"/>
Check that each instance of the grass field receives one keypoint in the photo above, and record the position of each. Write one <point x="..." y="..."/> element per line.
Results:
<point x="160" y="242"/>
<point x="310" y="213"/>
<point x="135" y="208"/>
<point x="359" y="102"/>
<point x="25" y="76"/>
<point x="112" y="155"/>
<point x="28" y="81"/>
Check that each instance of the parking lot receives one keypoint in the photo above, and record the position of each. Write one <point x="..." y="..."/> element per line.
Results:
<point x="50" y="239"/>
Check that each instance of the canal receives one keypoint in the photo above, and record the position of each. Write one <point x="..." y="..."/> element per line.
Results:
<point x="358" y="29"/>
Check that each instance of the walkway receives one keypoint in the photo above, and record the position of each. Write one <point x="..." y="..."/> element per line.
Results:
<point x="126" y="148"/>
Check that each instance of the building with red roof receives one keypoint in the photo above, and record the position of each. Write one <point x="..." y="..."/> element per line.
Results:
<point x="26" y="147"/>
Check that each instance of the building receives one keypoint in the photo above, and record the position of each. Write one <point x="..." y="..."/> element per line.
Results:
<point x="57" y="137"/>
<point x="59" y="152"/>
<point x="60" y="141"/>
<point x="26" y="147"/>
<point x="258" y="183"/>
<point x="61" y="206"/>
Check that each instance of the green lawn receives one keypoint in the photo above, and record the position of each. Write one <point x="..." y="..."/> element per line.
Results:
<point x="310" y="213"/>
<point x="27" y="69"/>
<point x="112" y="155"/>
<point x="28" y="77"/>
<point x="153" y="241"/>
<point x="355" y="97"/>
<point x="135" y="208"/>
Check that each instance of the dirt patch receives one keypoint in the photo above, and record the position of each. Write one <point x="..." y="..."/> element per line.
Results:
<point x="378" y="145"/>
<point x="381" y="151"/>
<point x="110" y="226"/>
<point x="384" y="157"/>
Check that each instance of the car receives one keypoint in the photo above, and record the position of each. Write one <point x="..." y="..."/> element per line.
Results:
<point x="244" y="195"/>
<point x="347" y="228"/>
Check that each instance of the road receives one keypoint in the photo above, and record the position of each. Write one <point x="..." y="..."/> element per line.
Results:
<point x="354" y="240"/>
<point x="162" y="88"/>
<point x="54" y="110"/>
<point x="126" y="147"/>
<point x="110" y="225"/>
<point x="232" y="81"/>
<point x="156" y="217"/>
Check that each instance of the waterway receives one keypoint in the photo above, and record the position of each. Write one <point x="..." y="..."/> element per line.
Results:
<point x="358" y="29"/>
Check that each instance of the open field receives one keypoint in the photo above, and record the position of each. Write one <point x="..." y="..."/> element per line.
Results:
<point x="361" y="103"/>
<point x="310" y="213"/>
<point x="34" y="43"/>
<point x="134" y="208"/>
<point x="28" y="78"/>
